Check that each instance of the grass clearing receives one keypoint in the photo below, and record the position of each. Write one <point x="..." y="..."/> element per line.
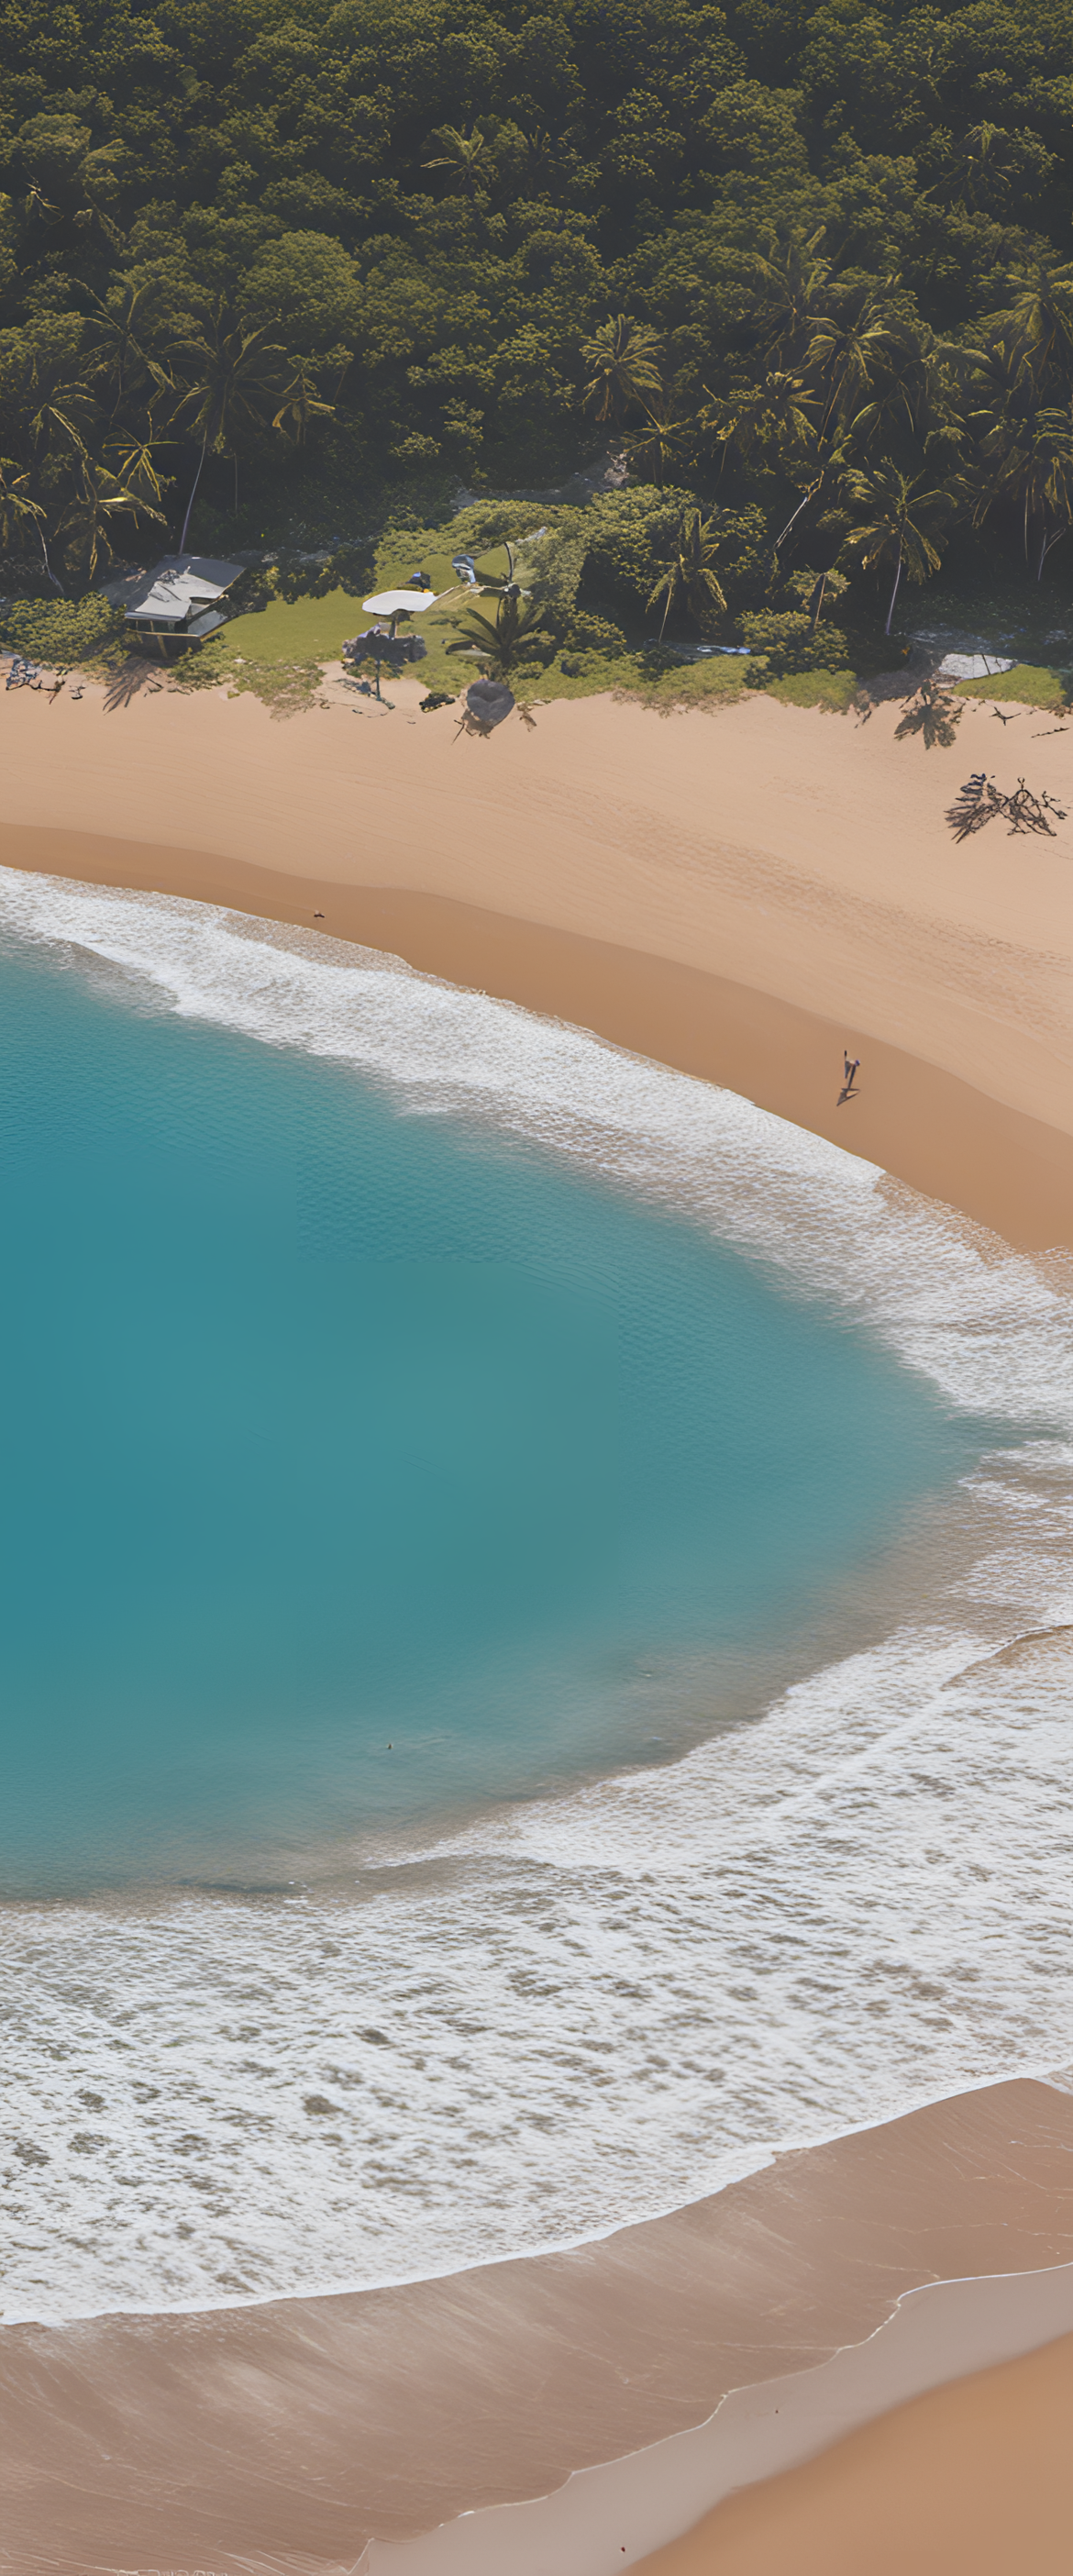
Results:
<point x="833" y="690"/>
<point x="714" y="683"/>
<point x="302" y="630"/>
<point x="275" y="653"/>
<point x="1029" y="684"/>
<point x="278" y="653"/>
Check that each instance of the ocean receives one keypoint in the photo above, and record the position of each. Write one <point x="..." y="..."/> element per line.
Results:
<point x="532" y="1659"/>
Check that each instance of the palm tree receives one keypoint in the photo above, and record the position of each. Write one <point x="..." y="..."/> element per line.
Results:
<point x="811" y="588"/>
<point x="19" y="513"/>
<point x="667" y="435"/>
<point x="506" y="639"/>
<point x="229" y="377"/>
<point x="772" y="414"/>
<point x="1035" y="471"/>
<point x="543" y="159"/>
<point x="87" y="523"/>
<point x="817" y="469"/>
<point x="789" y="278"/>
<point x="905" y="525"/>
<point x="915" y="400"/>
<point x="136" y="464"/>
<point x="849" y="356"/>
<point x="689" y="578"/>
<point x="623" y="359"/>
<point x="1039" y="322"/>
<point x="115" y="354"/>
<point x="470" y="155"/>
<point x="301" y="404"/>
<point x="59" y="410"/>
<point x="982" y="157"/>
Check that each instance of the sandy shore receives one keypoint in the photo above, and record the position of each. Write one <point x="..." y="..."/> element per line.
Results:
<point x="282" y="2438"/>
<point x="739" y="895"/>
<point x="974" y="2477"/>
<point x="944" y="2331"/>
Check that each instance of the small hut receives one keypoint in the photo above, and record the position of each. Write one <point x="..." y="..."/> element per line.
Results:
<point x="175" y="602"/>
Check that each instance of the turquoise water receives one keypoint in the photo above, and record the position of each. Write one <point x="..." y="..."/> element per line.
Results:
<point x="330" y="1429"/>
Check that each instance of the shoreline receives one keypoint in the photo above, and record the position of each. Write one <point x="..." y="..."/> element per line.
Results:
<point x="191" y="952"/>
<point x="1005" y="1171"/>
<point x="600" y="874"/>
<point x="315" y="2293"/>
<point x="970" y="2473"/>
<point x="944" y="2334"/>
<point x="287" y="2437"/>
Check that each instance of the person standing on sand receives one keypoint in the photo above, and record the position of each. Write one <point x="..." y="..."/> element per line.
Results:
<point x="852" y="1070"/>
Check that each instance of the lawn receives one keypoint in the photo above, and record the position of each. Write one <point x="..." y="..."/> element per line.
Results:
<point x="278" y="653"/>
<point x="307" y="630"/>
<point x="1029" y="684"/>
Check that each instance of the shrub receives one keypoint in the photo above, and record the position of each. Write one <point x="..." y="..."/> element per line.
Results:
<point x="744" y="558"/>
<point x="630" y="536"/>
<point x="60" y="632"/>
<point x="590" y="634"/>
<point x="295" y="577"/>
<point x="784" y="641"/>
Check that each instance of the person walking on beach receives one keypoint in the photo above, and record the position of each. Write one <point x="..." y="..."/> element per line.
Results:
<point x="853" y="1067"/>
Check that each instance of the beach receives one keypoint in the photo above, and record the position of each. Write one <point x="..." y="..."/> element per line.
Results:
<point x="739" y="897"/>
<point x="278" y="2440"/>
<point x="973" y="2476"/>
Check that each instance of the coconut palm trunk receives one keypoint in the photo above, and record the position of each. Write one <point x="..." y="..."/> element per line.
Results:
<point x="894" y="593"/>
<point x="193" y="492"/>
<point x="57" y="585"/>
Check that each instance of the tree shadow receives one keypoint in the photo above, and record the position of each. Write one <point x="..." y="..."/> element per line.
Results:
<point x="979" y="801"/>
<point x="935" y="716"/>
<point x="880" y="688"/>
<point x="127" y="681"/>
<point x="480" y="730"/>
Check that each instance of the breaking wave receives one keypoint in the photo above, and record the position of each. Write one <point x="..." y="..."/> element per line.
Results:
<point x="590" y="2007"/>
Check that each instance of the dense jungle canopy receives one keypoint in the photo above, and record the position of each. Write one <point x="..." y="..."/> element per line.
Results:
<point x="806" y="267"/>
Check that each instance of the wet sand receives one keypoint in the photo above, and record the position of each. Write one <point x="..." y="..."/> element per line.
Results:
<point x="739" y="895"/>
<point x="620" y="2515"/>
<point x="282" y="2438"/>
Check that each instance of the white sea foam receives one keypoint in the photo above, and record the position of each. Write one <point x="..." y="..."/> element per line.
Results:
<point x="984" y="1324"/>
<point x="600" y="2004"/>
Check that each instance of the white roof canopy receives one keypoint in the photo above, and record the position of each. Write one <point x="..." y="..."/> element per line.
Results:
<point x="166" y="595"/>
<point x="392" y="603"/>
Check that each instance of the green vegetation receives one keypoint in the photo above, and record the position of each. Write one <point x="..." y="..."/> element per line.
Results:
<point x="286" y="275"/>
<point x="506" y="643"/>
<point x="834" y="690"/>
<point x="61" y="632"/>
<point x="1027" y="685"/>
<point x="275" y="651"/>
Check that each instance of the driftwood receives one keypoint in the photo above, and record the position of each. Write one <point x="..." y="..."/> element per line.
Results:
<point x="980" y="801"/>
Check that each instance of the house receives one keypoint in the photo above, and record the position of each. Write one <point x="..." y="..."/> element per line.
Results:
<point x="177" y="599"/>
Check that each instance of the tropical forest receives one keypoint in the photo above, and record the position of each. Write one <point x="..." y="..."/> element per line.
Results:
<point x="732" y="340"/>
